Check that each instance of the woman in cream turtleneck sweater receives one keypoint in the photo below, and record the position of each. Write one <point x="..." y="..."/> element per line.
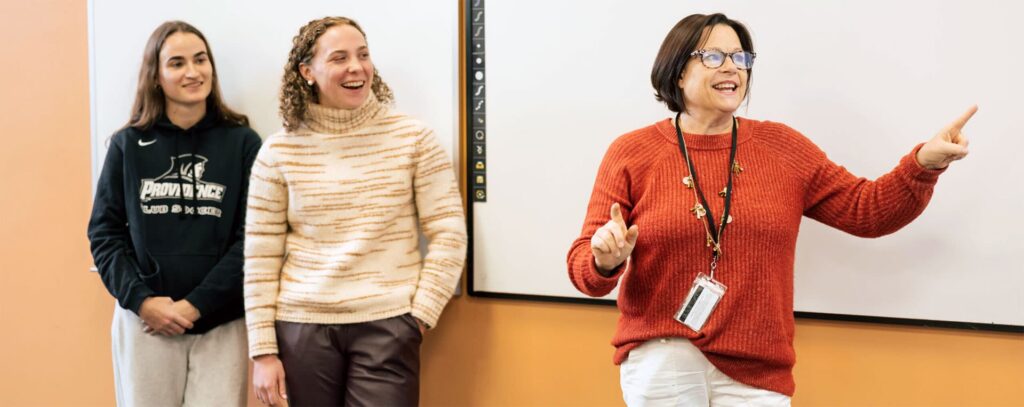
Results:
<point x="337" y="296"/>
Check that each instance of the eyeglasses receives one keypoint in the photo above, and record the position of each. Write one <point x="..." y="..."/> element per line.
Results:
<point x="713" y="58"/>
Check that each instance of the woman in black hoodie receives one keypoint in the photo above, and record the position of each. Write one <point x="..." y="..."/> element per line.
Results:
<point x="166" y="231"/>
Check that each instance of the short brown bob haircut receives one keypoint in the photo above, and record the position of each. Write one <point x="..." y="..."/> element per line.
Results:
<point x="687" y="36"/>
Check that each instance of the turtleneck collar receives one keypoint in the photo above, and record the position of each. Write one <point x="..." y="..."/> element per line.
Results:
<point x="326" y="120"/>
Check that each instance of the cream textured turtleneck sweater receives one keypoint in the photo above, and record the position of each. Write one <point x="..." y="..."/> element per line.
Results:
<point x="331" y="231"/>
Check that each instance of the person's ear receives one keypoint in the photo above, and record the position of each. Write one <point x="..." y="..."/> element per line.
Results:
<point x="307" y="73"/>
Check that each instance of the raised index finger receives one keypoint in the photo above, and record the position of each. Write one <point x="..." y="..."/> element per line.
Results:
<point x="962" y="120"/>
<point x="617" y="214"/>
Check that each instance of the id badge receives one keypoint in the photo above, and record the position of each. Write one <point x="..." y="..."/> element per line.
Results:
<point x="700" y="302"/>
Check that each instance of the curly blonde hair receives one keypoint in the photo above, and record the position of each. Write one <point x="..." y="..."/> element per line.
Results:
<point x="295" y="93"/>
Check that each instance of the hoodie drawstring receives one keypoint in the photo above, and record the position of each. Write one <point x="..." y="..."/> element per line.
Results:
<point x="177" y="168"/>
<point x="195" y="175"/>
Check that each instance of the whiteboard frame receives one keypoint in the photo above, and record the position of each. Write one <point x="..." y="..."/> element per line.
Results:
<point x="468" y="172"/>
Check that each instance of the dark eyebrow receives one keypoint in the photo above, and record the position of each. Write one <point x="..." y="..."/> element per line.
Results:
<point x="737" y="49"/>
<point x="180" y="58"/>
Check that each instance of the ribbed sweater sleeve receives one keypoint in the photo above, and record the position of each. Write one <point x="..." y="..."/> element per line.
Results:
<point x="265" y="230"/>
<point x="611" y="186"/>
<point x="623" y="164"/>
<point x="860" y="206"/>
<point x="441" y="220"/>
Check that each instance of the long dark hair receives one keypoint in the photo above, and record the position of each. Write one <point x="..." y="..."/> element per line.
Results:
<point x="149" y="98"/>
<point x="688" y="34"/>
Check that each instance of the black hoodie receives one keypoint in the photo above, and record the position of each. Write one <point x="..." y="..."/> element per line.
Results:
<point x="152" y="236"/>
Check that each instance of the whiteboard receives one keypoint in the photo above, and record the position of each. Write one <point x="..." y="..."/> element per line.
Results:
<point x="866" y="81"/>
<point x="414" y="46"/>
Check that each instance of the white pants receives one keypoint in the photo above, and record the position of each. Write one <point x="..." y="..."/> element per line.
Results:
<point x="673" y="372"/>
<point x="209" y="369"/>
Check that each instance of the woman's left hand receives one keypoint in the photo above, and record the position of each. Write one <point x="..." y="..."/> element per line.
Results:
<point x="949" y="145"/>
<point x="421" y="325"/>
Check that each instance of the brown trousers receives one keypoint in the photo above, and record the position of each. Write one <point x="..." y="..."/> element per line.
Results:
<point x="374" y="363"/>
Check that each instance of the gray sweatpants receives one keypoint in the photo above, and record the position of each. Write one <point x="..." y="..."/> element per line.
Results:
<point x="209" y="369"/>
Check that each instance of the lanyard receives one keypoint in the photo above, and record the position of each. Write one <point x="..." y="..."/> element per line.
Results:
<point x="701" y="209"/>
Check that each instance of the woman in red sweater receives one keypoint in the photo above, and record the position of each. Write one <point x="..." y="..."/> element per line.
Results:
<point x="699" y="216"/>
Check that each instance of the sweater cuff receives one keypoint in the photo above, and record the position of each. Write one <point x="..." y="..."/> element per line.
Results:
<point x="135" y="299"/>
<point x="424" y="315"/>
<point x="262" y="341"/>
<point x="255" y="351"/>
<point x="914" y="171"/>
<point x="260" y="351"/>
<point x="202" y="305"/>
<point x="592" y="278"/>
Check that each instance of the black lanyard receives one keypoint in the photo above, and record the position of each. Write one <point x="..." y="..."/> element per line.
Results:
<point x="715" y="233"/>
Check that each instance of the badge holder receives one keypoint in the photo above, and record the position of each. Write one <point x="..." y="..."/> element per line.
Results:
<point x="706" y="292"/>
<point x="700" y="302"/>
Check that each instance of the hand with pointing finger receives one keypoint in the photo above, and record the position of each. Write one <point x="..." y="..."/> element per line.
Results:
<point x="949" y="145"/>
<point x="613" y="242"/>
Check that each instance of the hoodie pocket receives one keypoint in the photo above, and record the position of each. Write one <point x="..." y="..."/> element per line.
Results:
<point x="150" y="274"/>
<point x="178" y="274"/>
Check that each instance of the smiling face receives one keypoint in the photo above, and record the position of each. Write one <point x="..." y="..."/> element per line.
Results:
<point x="185" y="73"/>
<point x="340" y="68"/>
<point x="716" y="91"/>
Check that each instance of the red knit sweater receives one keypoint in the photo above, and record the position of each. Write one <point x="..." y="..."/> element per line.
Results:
<point x="749" y="336"/>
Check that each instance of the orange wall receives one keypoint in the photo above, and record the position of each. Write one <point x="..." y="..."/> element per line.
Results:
<point x="54" y="346"/>
<point x="512" y="353"/>
<point x="54" y="317"/>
